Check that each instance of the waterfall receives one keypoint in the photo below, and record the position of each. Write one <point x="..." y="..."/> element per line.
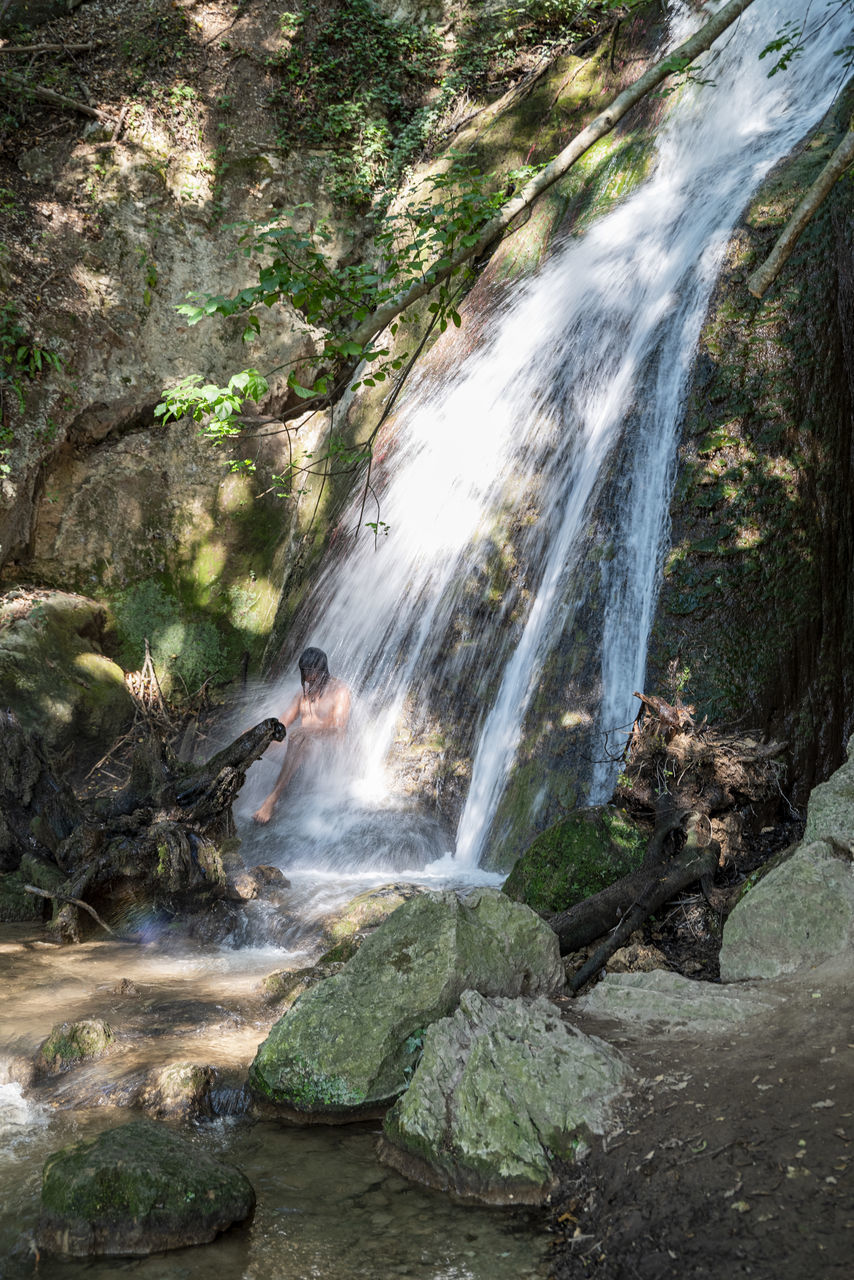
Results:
<point x="580" y="379"/>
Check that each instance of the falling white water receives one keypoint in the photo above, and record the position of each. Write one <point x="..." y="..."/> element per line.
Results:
<point x="592" y="354"/>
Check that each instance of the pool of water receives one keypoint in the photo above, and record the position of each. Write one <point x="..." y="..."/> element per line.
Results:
<point x="326" y="1208"/>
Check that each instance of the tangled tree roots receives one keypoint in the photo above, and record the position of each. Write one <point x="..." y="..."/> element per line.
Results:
<point x="160" y="843"/>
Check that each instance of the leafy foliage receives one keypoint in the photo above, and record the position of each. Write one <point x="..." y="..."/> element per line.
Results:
<point x="413" y="246"/>
<point x="22" y="360"/>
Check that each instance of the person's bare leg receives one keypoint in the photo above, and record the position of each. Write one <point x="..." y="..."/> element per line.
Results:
<point x="293" y="759"/>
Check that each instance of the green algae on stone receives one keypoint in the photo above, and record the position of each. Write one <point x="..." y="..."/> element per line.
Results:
<point x="368" y="909"/>
<point x="55" y="677"/>
<point x="137" y="1190"/>
<point x="575" y="858"/>
<point x="72" y="1042"/>
<point x="350" y="1043"/>
<point x="16" y="905"/>
<point x="503" y="1089"/>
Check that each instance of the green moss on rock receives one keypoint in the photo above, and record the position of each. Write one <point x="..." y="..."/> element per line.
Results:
<point x="16" y="905"/>
<point x="136" y="1190"/>
<point x="72" y="1042"/>
<point x="575" y="858"/>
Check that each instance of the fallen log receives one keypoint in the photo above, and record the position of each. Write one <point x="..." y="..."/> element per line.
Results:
<point x="696" y="861"/>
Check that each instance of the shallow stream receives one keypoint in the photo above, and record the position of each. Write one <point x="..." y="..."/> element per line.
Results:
<point x="326" y="1207"/>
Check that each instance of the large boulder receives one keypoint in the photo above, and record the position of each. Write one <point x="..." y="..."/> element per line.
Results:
<point x="136" y="1190"/>
<point x="797" y="916"/>
<point x="576" y="858"/>
<point x="348" y="1045"/>
<point x="830" y="811"/>
<point x="55" y="675"/>
<point x="504" y="1087"/>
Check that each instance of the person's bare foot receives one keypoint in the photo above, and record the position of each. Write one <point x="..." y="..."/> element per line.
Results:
<point x="263" y="815"/>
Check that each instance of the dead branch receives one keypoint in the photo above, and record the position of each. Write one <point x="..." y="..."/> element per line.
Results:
<point x="55" y="99"/>
<point x="50" y="48"/>
<point x="697" y="860"/>
<point x="763" y="277"/>
<point x="76" y="902"/>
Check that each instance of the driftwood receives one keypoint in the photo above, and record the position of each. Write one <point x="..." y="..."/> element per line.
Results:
<point x="686" y="778"/>
<point x="76" y="902"/>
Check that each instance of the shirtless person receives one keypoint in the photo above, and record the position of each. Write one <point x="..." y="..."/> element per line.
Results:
<point x="323" y="709"/>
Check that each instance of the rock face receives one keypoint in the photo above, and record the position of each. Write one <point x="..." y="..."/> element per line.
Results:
<point x="348" y="1045"/>
<point x="503" y="1088"/>
<point x="137" y="1190"/>
<point x="55" y="676"/>
<point x="800" y="914"/>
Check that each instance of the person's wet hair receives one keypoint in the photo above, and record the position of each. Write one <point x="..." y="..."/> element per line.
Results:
<point x="314" y="662"/>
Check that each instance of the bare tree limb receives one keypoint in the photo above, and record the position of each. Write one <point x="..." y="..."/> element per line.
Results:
<point x="76" y="902"/>
<point x="55" y="99"/>
<point x="843" y="157"/>
<point x="562" y="163"/>
<point x="49" y="48"/>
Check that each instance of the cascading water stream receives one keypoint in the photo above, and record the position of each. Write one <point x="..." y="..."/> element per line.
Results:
<point x="584" y="371"/>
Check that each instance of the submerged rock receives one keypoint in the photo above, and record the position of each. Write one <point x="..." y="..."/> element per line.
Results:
<point x="180" y="1089"/>
<point x="348" y="1046"/>
<point x="798" y="915"/>
<point x="137" y="1190"/>
<point x="576" y="858"/>
<point x="72" y="1042"/>
<point x="503" y="1089"/>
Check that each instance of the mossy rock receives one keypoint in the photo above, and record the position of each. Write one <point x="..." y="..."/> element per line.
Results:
<point x="55" y="677"/>
<point x="73" y="1042"/>
<point x="347" y="1047"/>
<point x="285" y="986"/>
<point x="575" y="858"/>
<point x="16" y="905"/>
<point x="137" y="1190"/>
<point x="367" y="910"/>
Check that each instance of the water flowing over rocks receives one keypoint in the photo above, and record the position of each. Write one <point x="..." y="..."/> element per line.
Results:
<point x="137" y="1190"/>
<point x="348" y="1046"/>
<point x="503" y="1089"/>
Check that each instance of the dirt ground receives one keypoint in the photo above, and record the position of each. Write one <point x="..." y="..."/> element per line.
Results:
<point x="735" y="1158"/>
